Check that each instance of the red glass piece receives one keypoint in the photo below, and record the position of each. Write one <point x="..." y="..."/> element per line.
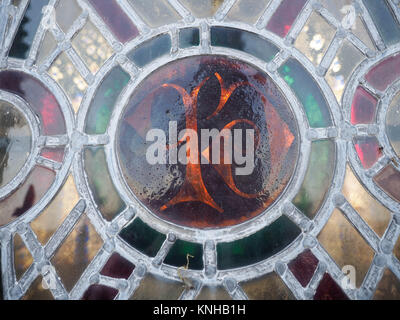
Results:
<point x="116" y="19"/>
<point x="385" y="73"/>
<point x="55" y="154"/>
<point x="99" y="292"/>
<point x="117" y="267"/>
<point x="329" y="290"/>
<point x="368" y="150"/>
<point x="389" y="180"/>
<point x="303" y="267"/>
<point x="363" y="107"/>
<point x="41" y="100"/>
<point x="283" y="18"/>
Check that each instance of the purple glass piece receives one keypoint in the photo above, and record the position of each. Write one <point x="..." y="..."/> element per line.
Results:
<point x="385" y="73"/>
<point x="363" y="107"/>
<point x="99" y="292"/>
<point x="389" y="180"/>
<point x="117" y="267"/>
<point x="284" y="17"/>
<point x="303" y="267"/>
<point x="368" y="150"/>
<point x="116" y="19"/>
<point x="328" y="289"/>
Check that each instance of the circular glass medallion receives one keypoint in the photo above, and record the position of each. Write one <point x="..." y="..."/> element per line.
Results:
<point x="15" y="142"/>
<point x="207" y="142"/>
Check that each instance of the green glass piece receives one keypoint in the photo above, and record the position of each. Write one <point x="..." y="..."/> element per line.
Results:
<point x="145" y="239"/>
<point x="308" y="92"/>
<point x="384" y="20"/>
<point x="177" y="255"/>
<point x="189" y="37"/>
<point x="27" y="30"/>
<point x="151" y="50"/>
<point x="318" y="178"/>
<point x="103" y="190"/>
<point x="259" y="246"/>
<point x="248" y="42"/>
<point x="104" y="101"/>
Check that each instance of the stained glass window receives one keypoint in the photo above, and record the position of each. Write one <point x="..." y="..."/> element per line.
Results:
<point x="208" y="149"/>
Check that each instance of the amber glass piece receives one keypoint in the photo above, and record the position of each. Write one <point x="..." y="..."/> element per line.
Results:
<point x="363" y="107"/>
<point x="117" y="267"/>
<point x="384" y="73"/>
<point x="202" y="8"/>
<point x="155" y="13"/>
<point x="99" y="292"/>
<point x="328" y="289"/>
<point x="37" y="292"/>
<point x="346" y="246"/>
<point x="55" y="154"/>
<point x="64" y="72"/>
<point x="22" y="257"/>
<point x="283" y="18"/>
<point x="92" y="47"/>
<point x="393" y="124"/>
<point x="375" y="214"/>
<point x="245" y="41"/>
<point x="46" y="47"/>
<point x="67" y="11"/>
<point x="388" y="288"/>
<point x="248" y="11"/>
<point x="347" y="59"/>
<point x="303" y="267"/>
<point x="39" y="98"/>
<point x="318" y="178"/>
<point x="15" y="142"/>
<point x="156" y="288"/>
<point x="51" y="218"/>
<point x="76" y="252"/>
<point x="24" y="198"/>
<point x="230" y="95"/>
<point x="213" y="293"/>
<point x="389" y="180"/>
<point x="339" y="10"/>
<point x="396" y="250"/>
<point x="368" y="150"/>
<point x="103" y="190"/>
<point x="315" y="38"/>
<point x="27" y="29"/>
<point x="140" y="236"/>
<point x="116" y="19"/>
<point x="268" y="287"/>
<point x="1" y="282"/>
